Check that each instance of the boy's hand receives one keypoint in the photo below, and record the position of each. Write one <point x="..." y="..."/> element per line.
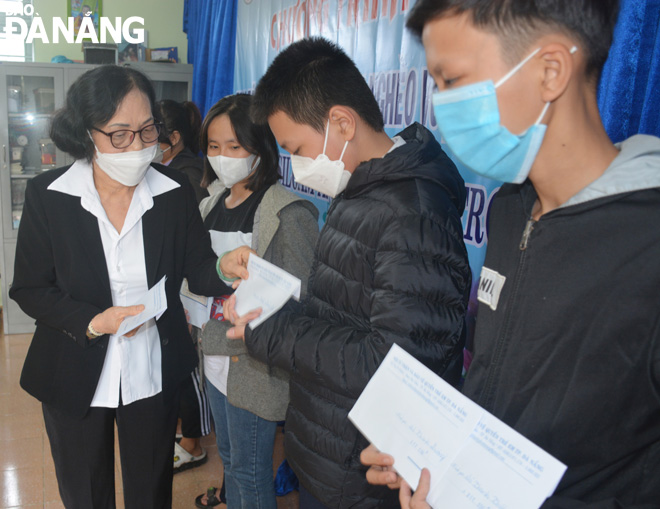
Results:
<point x="234" y="263"/>
<point x="380" y="470"/>
<point x="239" y="322"/>
<point x="417" y="500"/>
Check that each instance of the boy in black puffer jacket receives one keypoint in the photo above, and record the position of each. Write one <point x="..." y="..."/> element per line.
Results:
<point x="390" y="265"/>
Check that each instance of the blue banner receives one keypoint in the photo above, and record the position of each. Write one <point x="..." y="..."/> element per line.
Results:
<point x="373" y="34"/>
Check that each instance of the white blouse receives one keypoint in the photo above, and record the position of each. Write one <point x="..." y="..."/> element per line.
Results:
<point x="132" y="365"/>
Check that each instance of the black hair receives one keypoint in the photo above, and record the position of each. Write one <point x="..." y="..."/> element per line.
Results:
<point x="256" y="138"/>
<point x="91" y="102"/>
<point x="519" y="22"/>
<point x="307" y="79"/>
<point x="184" y="117"/>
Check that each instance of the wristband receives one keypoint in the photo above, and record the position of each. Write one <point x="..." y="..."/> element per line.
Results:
<point x="219" y="270"/>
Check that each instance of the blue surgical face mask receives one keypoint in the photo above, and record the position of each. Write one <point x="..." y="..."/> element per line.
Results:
<point x="468" y="119"/>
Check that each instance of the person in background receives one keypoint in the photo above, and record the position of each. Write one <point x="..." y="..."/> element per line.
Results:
<point x="390" y="266"/>
<point x="178" y="148"/>
<point x="94" y="237"/>
<point x="195" y="422"/>
<point x="179" y="142"/>
<point x="248" y="207"/>
<point x="569" y="354"/>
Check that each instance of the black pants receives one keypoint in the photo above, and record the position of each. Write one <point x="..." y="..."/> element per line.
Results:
<point x="83" y="452"/>
<point x="194" y="408"/>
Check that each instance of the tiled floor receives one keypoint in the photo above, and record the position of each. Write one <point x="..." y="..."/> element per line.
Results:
<point x="27" y="474"/>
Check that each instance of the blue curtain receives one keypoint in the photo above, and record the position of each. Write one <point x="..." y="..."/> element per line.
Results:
<point x="211" y="29"/>
<point x="629" y="91"/>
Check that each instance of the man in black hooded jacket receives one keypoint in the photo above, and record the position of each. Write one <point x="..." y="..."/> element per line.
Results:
<point x="390" y="264"/>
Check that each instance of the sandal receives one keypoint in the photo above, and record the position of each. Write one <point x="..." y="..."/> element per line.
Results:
<point x="211" y="499"/>
<point x="183" y="460"/>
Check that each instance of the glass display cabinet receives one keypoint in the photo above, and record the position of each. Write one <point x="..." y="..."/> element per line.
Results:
<point x="29" y="94"/>
<point x="28" y="150"/>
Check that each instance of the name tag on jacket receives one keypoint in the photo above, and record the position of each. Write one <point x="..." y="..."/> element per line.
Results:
<point x="490" y="287"/>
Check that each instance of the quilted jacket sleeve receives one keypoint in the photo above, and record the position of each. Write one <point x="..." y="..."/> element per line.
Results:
<point x="421" y="281"/>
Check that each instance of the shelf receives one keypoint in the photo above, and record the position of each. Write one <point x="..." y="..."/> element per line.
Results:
<point x="27" y="175"/>
<point x="35" y="115"/>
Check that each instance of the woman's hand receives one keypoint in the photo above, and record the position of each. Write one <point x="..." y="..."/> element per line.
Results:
<point x="188" y="321"/>
<point x="229" y="310"/>
<point x="234" y="263"/>
<point x="109" y="321"/>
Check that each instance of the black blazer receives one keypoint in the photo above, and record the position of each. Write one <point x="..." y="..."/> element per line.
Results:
<point x="61" y="280"/>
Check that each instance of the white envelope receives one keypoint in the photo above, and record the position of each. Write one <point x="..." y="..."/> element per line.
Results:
<point x="198" y="306"/>
<point x="475" y="459"/>
<point x="268" y="288"/>
<point x="155" y="304"/>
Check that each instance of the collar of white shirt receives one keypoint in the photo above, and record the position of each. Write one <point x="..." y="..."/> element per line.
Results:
<point x="78" y="180"/>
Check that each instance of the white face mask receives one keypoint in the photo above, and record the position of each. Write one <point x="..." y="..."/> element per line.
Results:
<point x="321" y="174"/>
<point x="127" y="168"/>
<point x="160" y="153"/>
<point x="231" y="170"/>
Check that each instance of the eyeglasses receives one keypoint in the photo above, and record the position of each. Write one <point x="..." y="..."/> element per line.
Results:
<point x="124" y="137"/>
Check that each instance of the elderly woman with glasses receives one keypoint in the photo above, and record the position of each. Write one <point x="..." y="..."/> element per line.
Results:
<point x="94" y="238"/>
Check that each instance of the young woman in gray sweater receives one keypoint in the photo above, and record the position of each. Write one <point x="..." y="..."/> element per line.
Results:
<point x="248" y="206"/>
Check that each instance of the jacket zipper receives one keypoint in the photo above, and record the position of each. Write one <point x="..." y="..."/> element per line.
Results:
<point x="526" y="233"/>
<point x="490" y="381"/>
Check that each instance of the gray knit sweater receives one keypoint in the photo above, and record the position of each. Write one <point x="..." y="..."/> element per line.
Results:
<point x="284" y="233"/>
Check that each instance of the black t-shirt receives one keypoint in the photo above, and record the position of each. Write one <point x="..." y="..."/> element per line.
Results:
<point x="231" y="228"/>
<point x="238" y="219"/>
